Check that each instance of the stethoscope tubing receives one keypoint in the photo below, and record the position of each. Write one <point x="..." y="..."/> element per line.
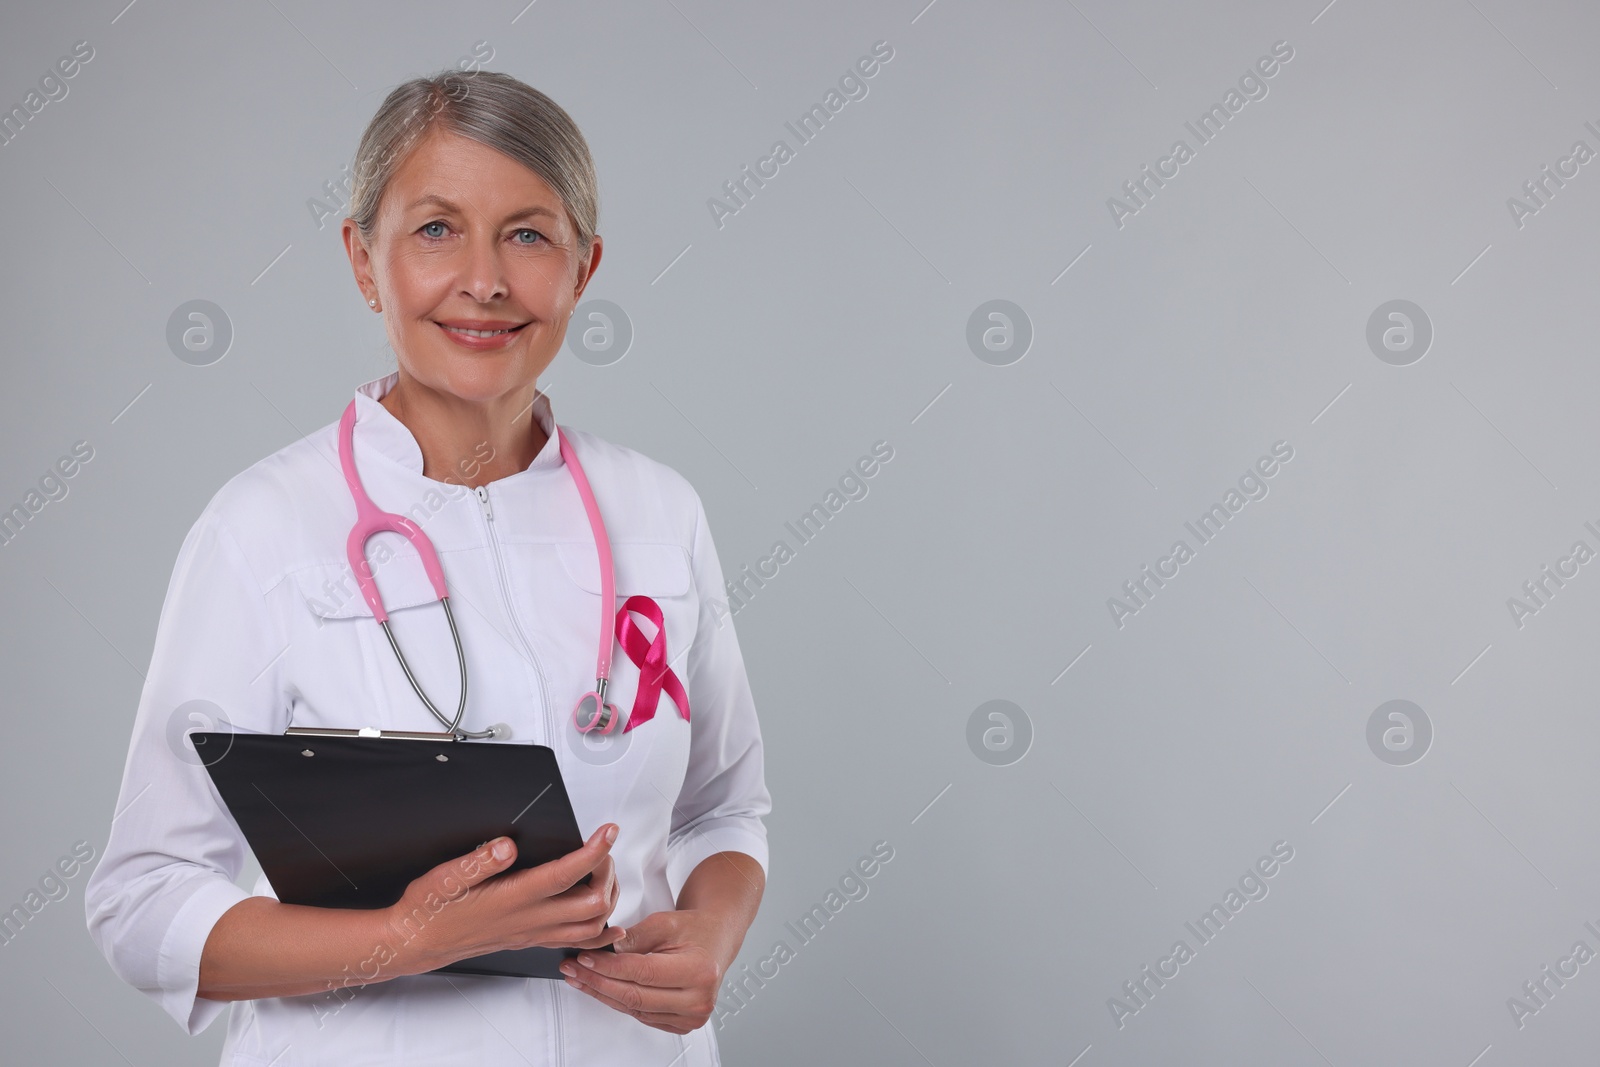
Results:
<point x="602" y="544"/>
<point x="592" y="712"/>
<point x="451" y="725"/>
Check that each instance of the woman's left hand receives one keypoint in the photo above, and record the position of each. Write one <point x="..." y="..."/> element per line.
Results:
<point x="665" y="972"/>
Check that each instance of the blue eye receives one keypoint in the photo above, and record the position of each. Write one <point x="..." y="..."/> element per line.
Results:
<point x="536" y="233"/>
<point x="425" y="226"/>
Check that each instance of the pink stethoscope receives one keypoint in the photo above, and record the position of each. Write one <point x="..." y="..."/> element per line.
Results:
<point x="592" y="713"/>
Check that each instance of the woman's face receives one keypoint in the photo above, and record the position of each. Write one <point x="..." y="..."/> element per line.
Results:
<point x="468" y="239"/>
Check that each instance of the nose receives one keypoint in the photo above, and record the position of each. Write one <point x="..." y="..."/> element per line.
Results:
<point x="484" y="279"/>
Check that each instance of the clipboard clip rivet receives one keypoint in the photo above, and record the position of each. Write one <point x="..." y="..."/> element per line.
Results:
<point x="442" y="758"/>
<point x="307" y="752"/>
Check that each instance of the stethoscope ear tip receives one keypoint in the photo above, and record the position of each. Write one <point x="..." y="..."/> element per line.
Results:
<point x="499" y="732"/>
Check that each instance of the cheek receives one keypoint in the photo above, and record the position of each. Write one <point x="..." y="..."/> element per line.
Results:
<point x="542" y="287"/>
<point x="417" y="284"/>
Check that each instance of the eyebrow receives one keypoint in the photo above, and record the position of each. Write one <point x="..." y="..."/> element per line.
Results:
<point x="439" y="201"/>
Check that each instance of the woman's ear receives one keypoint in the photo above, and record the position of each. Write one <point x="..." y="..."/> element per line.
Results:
<point x="586" y="268"/>
<point x="360" y="261"/>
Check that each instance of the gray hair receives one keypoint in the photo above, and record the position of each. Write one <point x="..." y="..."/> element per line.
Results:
<point x="495" y="110"/>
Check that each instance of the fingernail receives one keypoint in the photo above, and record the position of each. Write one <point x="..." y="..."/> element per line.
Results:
<point x="611" y="835"/>
<point x="568" y="969"/>
<point x="502" y="848"/>
<point x="586" y="959"/>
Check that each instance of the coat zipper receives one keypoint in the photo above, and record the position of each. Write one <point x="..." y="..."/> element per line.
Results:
<point x="555" y="1003"/>
<point x="482" y="493"/>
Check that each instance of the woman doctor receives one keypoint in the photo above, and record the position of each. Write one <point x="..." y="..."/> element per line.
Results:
<point x="472" y="231"/>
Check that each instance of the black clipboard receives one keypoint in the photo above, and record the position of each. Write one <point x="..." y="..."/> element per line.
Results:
<point x="350" y="821"/>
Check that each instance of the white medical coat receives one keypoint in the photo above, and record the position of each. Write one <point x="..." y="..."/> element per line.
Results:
<point x="263" y="621"/>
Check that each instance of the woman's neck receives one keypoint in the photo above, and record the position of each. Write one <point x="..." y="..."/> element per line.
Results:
<point x="464" y="442"/>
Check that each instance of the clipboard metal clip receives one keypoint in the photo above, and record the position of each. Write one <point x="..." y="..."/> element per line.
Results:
<point x="368" y="731"/>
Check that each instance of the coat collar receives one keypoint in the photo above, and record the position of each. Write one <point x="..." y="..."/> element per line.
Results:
<point x="377" y="430"/>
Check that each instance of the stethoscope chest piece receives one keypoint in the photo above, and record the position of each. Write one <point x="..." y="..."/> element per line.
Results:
<point x="594" y="715"/>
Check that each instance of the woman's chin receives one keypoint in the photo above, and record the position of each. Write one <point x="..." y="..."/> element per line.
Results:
<point x="480" y="379"/>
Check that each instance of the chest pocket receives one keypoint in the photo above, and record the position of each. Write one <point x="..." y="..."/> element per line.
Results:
<point x="642" y="568"/>
<point x="330" y="589"/>
<point x="344" y="670"/>
<point x="659" y="571"/>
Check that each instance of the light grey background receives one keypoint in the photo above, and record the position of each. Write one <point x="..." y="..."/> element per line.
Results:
<point x="1228" y="314"/>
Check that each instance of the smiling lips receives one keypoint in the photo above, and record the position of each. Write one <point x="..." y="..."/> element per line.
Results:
<point x="480" y="334"/>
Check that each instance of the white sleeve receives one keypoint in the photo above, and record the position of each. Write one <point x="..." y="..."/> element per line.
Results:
<point x="173" y="852"/>
<point x="724" y="794"/>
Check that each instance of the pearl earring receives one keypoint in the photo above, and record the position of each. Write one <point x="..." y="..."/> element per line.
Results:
<point x="374" y="303"/>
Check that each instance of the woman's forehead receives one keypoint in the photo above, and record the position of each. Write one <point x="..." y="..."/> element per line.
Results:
<point x="449" y="171"/>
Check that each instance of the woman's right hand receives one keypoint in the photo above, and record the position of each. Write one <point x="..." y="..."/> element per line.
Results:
<point x="460" y="909"/>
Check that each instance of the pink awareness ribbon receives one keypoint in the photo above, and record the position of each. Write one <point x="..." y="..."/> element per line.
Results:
<point x="651" y="659"/>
